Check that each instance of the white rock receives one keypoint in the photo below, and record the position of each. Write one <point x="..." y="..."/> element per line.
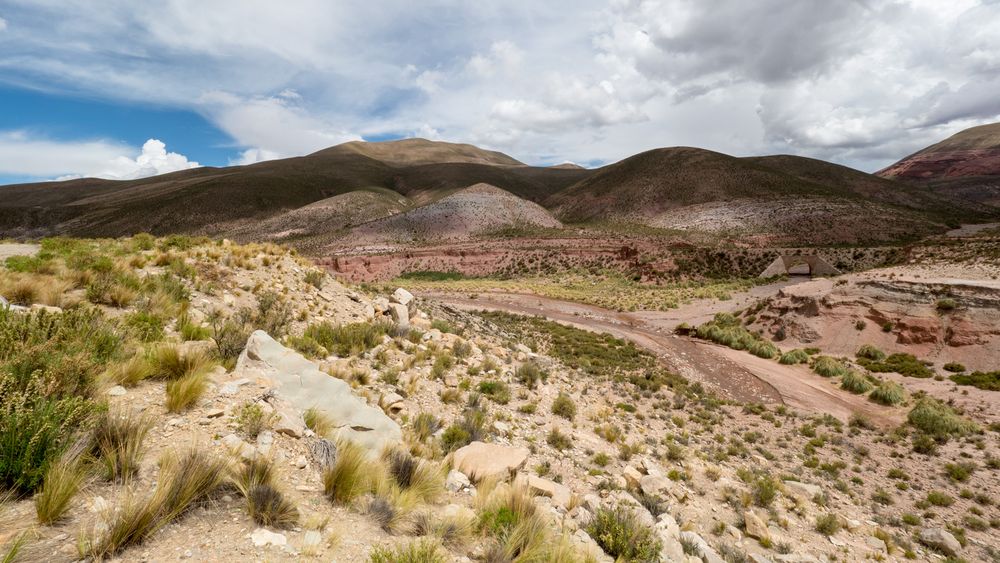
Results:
<point x="117" y="391"/>
<point x="479" y="460"/>
<point x="941" y="539"/>
<point x="456" y="481"/>
<point x="262" y="537"/>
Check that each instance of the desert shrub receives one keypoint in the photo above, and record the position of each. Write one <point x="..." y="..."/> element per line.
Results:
<point x="828" y="366"/>
<point x="855" y="382"/>
<point x="870" y="352"/>
<point x="888" y="393"/>
<point x="621" y="535"/>
<point x="529" y="374"/>
<point x="314" y="278"/>
<point x="904" y="364"/>
<point x="960" y="471"/>
<point x="347" y="339"/>
<point x="252" y="419"/>
<point x="418" y="551"/>
<point x="946" y="304"/>
<point x="989" y="381"/>
<point x="497" y="391"/>
<point x="764" y="489"/>
<point x="190" y="330"/>
<point x="828" y="524"/>
<point x="940" y="498"/>
<point x="954" y="367"/>
<point x="564" y="406"/>
<point x="146" y="326"/>
<point x="937" y="419"/>
<point x="794" y="357"/>
<point x="725" y="329"/>
<point x="272" y="315"/>
<point x="116" y="441"/>
<point x="558" y="440"/>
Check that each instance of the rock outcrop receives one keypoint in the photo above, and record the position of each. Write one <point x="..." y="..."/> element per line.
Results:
<point x="480" y="460"/>
<point x="300" y="383"/>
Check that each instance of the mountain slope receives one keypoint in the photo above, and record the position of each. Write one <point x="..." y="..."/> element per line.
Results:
<point x="972" y="152"/>
<point x="472" y="211"/>
<point x="409" y="152"/>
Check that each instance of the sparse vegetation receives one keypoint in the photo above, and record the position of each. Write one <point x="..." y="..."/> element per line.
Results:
<point x="564" y="406"/>
<point x="725" y="329"/>
<point x="622" y="535"/>
<point x="888" y="393"/>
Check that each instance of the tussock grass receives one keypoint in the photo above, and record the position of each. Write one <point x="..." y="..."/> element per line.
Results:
<point x="564" y="406"/>
<point x="420" y="551"/>
<point x="348" y="339"/>
<point x="937" y="419"/>
<point x="117" y="442"/>
<point x="725" y="329"/>
<point x="169" y="363"/>
<point x="855" y="382"/>
<point x="184" y="393"/>
<point x="130" y="372"/>
<point x="184" y="481"/>
<point x="829" y="367"/>
<point x="452" y="529"/>
<point x="888" y="393"/>
<point x="794" y="357"/>
<point x="317" y="421"/>
<point x="63" y="480"/>
<point x="268" y="507"/>
<point x="351" y="475"/>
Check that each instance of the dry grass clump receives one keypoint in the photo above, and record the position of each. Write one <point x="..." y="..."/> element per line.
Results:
<point x="63" y="480"/>
<point x="829" y="367"/>
<point x="420" y="478"/>
<point x="937" y="419"/>
<point x="117" y="442"/>
<point x="265" y="504"/>
<point x="351" y="474"/>
<point x="169" y="363"/>
<point x="452" y="529"/>
<point x="855" y="382"/>
<point x="28" y="289"/>
<point x="184" y="481"/>
<point x="183" y="393"/>
<point x="317" y="421"/>
<point x="421" y="551"/>
<point x="130" y="372"/>
<point x="508" y="516"/>
<point x="620" y="534"/>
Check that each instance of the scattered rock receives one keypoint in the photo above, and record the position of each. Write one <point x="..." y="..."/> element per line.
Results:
<point x="708" y="555"/>
<point x="755" y="526"/>
<point x="262" y="537"/>
<point x="632" y="477"/>
<point x="232" y="387"/>
<point x="117" y="391"/>
<point x="479" y="460"/>
<point x="940" y="539"/>
<point x="560" y="494"/>
<point x="653" y="485"/>
<point x="456" y="481"/>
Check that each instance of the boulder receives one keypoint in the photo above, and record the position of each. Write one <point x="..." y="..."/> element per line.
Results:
<point x="708" y="555"/>
<point x="380" y="305"/>
<point x="456" y="481"/>
<point x="392" y="403"/>
<point x="632" y="477"/>
<point x="804" y="490"/>
<point x="670" y="535"/>
<point x="480" y="460"/>
<point x="300" y="383"/>
<point x="400" y="315"/>
<point x="289" y="423"/>
<point x="653" y="484"/>
<point x="940" y="539"/>
<point x="755" y="526"/>
<point x="560" y="494"/>
<point x="402" y="297"/>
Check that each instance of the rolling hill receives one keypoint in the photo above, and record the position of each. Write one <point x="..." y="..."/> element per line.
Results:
<point x="355" y="189"/>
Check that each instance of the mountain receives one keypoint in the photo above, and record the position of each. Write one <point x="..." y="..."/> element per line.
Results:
<point x="406" y="188"/>
<point x="972" y="152"/>
<point x="198" y="199"/>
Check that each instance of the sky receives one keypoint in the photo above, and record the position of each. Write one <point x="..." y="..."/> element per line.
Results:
<point x="124" y="89"/>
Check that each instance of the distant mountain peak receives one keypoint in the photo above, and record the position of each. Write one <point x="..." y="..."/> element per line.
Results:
<point x="417" y="151"/>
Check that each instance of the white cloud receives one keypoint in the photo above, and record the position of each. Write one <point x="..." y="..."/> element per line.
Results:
<point x="22" y="154"/>
<point x="3" y="24"/>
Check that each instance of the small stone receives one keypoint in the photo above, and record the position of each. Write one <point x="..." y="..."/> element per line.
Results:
<point x="301" y="462"/>
<point x="456" y="481"/>
<point x="215" y="413"/>
<point x="117" y="391"/>
<point x="262" y="537"/>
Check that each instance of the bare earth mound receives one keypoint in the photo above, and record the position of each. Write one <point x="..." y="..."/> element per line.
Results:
<point x="475" y="210"/>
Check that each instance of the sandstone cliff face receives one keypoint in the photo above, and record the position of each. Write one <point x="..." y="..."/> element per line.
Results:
<point x="839" y="317"/>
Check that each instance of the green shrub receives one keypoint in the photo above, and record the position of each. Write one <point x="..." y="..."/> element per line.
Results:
<point x="417" y="551"/>
<point x="621" y="535"/>
<point x="564" y="406"/>
<point x="251" y="419"/>
<point x="904" y="364"/>
<point x="828" y="367"/>
<point x="937" y="419"/>
<point x="558" y="440"/>
<point x="855" y="382"/>
<point x="147" y="327"/>
<point x="870" y="352"/>
<point x="954" y="367"/>
<point x="764" y="490"/>
<point x="725" y="329"/>
<point x="939" y="498"/>
<point x="989" y="381"/>
<point x="960" y="471"/>
<point x="888" y="393"/>
<point x="529" y="374"/>
<point x="497" y="391"/>
<point x="349" y="339"/>
<point x="794" y="357"/>
<point x="828" y="524"/>
<point x="946" y="304"/>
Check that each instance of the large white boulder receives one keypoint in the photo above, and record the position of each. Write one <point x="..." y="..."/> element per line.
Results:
<point x="300" y="383"/>
<point x="480" y="460"/>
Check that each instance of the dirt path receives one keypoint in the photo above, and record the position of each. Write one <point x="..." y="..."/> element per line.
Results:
<point x="731" y="373"/>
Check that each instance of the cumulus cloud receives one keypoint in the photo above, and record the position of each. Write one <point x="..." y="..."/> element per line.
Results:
<point x="23" y="154"/>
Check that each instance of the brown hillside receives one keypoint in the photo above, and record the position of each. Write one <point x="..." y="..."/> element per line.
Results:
<point x="972" y="152"/>
<point x="409" y="152"/>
